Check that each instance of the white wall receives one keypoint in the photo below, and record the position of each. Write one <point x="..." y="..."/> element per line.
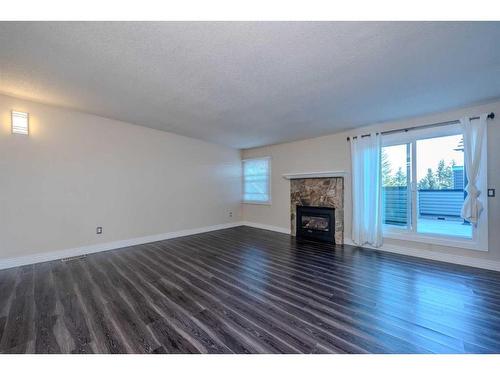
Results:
<point x="76" y="171"/>
<point x="332" y="152"/>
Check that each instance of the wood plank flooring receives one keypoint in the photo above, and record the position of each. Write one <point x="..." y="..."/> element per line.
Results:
<point x="245" y="290"/>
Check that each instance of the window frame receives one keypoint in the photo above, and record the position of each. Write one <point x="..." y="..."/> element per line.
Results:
<point x="265" y="203"/>
<point x="479" y="240"/>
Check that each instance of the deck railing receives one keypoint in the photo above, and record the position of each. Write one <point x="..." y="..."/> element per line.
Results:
<point x="432" y="203"/>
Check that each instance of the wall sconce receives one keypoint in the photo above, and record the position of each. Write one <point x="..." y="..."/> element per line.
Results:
<point x="20" y="123"/>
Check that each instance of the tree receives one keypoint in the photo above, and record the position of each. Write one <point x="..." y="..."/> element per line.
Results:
<point x="444" y="176"/>
<point x="429" y="181"/>
<point x="386" y="169"/>
<point x="460" y="146"/>
<point x="400" y="178"/>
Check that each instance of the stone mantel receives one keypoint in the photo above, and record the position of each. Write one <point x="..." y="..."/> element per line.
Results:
<point x="325" y="174"/>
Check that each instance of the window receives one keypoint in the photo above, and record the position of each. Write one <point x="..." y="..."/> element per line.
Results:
<point x="423" y="181"/>
<point x="395" y="182"/>
<point x="256" y="181"/>
<point x="440" y="189"/>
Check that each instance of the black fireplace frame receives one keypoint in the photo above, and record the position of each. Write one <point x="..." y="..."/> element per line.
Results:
<point x="312" y="234"/>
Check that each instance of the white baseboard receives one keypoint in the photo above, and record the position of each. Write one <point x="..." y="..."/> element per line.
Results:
<point x="77" y="251"/>
<point x="433" y="255"/>
<point x="267" y="227"/>
<point x="426" y="254"/>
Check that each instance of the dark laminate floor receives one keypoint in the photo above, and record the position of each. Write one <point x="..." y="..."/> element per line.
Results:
<point x="246" y="290"/>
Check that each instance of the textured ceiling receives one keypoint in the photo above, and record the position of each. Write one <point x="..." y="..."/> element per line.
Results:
<point x="246" y="84"/>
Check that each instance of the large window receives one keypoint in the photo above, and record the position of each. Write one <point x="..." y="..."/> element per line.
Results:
<point x="395" y="183"/>
<point x="440" y="186"/>
<point x="256" y="181"/>
<point x="423" y="181"/>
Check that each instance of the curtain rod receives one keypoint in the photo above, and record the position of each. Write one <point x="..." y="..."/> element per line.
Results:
<point x="490" y="116"/>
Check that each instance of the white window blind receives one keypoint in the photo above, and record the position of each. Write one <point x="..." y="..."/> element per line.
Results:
<point x="256" y="180"/>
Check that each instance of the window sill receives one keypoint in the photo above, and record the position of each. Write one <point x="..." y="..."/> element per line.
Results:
<point x="268" y="203"/>
<point x="431" y="239"/>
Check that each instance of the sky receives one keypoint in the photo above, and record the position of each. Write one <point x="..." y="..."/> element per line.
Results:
<point x="429" y="152"/>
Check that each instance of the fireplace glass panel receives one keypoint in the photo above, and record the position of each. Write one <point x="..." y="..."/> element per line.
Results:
<point x="315" y="223"/>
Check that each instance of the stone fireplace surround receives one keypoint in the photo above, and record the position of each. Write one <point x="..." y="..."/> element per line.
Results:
<point x="319" y="192"/>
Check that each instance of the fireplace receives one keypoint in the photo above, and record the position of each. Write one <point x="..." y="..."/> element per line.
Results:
<point x="316" y="223"/>
<point x="318" y="193"/>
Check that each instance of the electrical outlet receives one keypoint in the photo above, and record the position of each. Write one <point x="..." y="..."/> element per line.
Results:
<point x="98" y="230"/>
<point x="491" y="192"/>
<point x="230" y="213"/>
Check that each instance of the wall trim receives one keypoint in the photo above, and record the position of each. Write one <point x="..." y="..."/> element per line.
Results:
<point x="266" y="227"/>
<point x="425" y="254"/>
<point x="433" y="255"/>
<point x="295" y="176"/>
<point x="114" y="245"/>
<point x="82" y="250"/>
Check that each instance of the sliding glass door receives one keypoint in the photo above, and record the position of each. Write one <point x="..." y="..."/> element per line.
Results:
<point x="440" y="186"/>
<point x="396" y="173"/>
<point x="423" y="183"/>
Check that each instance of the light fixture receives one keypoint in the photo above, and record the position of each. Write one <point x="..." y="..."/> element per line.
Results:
<point x="20" y="122"/>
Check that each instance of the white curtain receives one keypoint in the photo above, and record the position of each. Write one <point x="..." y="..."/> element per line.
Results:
<point x="366" y="190"/>
<point x="474" y="141"/>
